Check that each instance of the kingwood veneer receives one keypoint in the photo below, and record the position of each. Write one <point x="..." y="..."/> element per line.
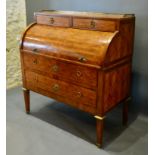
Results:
<point x="82" y="59"/>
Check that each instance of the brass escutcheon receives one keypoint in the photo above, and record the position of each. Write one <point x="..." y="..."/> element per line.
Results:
<point x="55" y="68"/>
<point x="79" y="94"/>
<point x="51" y="20"/>
<point x="78" y="73"/>
<point x="55" y="88"/>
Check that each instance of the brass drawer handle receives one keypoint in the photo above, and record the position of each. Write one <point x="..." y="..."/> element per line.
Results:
<point x="55" y="88"/>
<point x="55" y="68"/>
<point x="51" y="20"/>
<point x="35" y="61"/>
<point x="92" y="24"/>
<point x="78" y="73"/>
<point x="82" y="59"/>
<point x="79" y="94"/>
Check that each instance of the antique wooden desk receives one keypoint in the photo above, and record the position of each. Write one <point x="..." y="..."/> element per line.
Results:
<point x="82" y="59"/>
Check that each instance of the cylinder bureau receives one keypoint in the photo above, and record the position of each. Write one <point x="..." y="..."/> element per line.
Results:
<point x="83" y="59"/>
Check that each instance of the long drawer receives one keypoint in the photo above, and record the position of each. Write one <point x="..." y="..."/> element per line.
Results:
<point x="75" y="74"/>
<point x="75" y="94"/>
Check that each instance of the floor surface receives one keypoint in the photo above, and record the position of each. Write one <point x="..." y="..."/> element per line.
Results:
<point x="54" y="128"/>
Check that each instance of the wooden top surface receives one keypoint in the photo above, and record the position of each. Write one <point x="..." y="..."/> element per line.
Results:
<point x="85" y="14"/>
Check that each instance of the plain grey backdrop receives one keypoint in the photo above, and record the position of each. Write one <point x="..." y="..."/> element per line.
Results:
<point x="140" y="58"/>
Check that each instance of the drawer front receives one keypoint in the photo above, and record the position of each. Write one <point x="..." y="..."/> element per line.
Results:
<point x="76" y="74"/>
<point x="54" y="20"/>
<point x="94" y="24"/>
<point x="72" y="92"/>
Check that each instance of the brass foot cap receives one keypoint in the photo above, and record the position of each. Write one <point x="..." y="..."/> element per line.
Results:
<point x="125" y="124"/>
<point x="24" y="89"/>
<point x="27" y="112"/>
<point x="98" y="145"/>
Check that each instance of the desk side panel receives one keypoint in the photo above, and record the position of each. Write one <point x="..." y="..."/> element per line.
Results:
<point x="121" y="46"/>
<point x="117" y="86"/>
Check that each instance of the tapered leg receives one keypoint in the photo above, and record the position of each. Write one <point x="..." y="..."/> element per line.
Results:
<point x="99" y="130"/>
<point x="27" y="100"/>
<point x="125" y="111"/>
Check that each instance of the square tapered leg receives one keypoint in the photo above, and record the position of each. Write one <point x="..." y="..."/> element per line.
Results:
<point x="125" y="111"/>
<point x="99" y="130"/>
<point x="27" y="100"/>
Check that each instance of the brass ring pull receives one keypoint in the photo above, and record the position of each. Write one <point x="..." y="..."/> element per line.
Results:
<point x="55" y="68"/>
<point x="82" y="59"/>
<point x="51" y="20"/>
<point x="79" y="94"/>
<point x="35" y="61"/>
<point x="78" y="73"/>
<point x="55" y="88"/>
<point x="92" y="24"/>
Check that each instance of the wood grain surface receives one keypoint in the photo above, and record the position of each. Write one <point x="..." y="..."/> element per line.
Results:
<point x="81" y="59"/>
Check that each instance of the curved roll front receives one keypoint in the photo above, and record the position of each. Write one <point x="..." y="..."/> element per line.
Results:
<point x="83" y="46"/>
